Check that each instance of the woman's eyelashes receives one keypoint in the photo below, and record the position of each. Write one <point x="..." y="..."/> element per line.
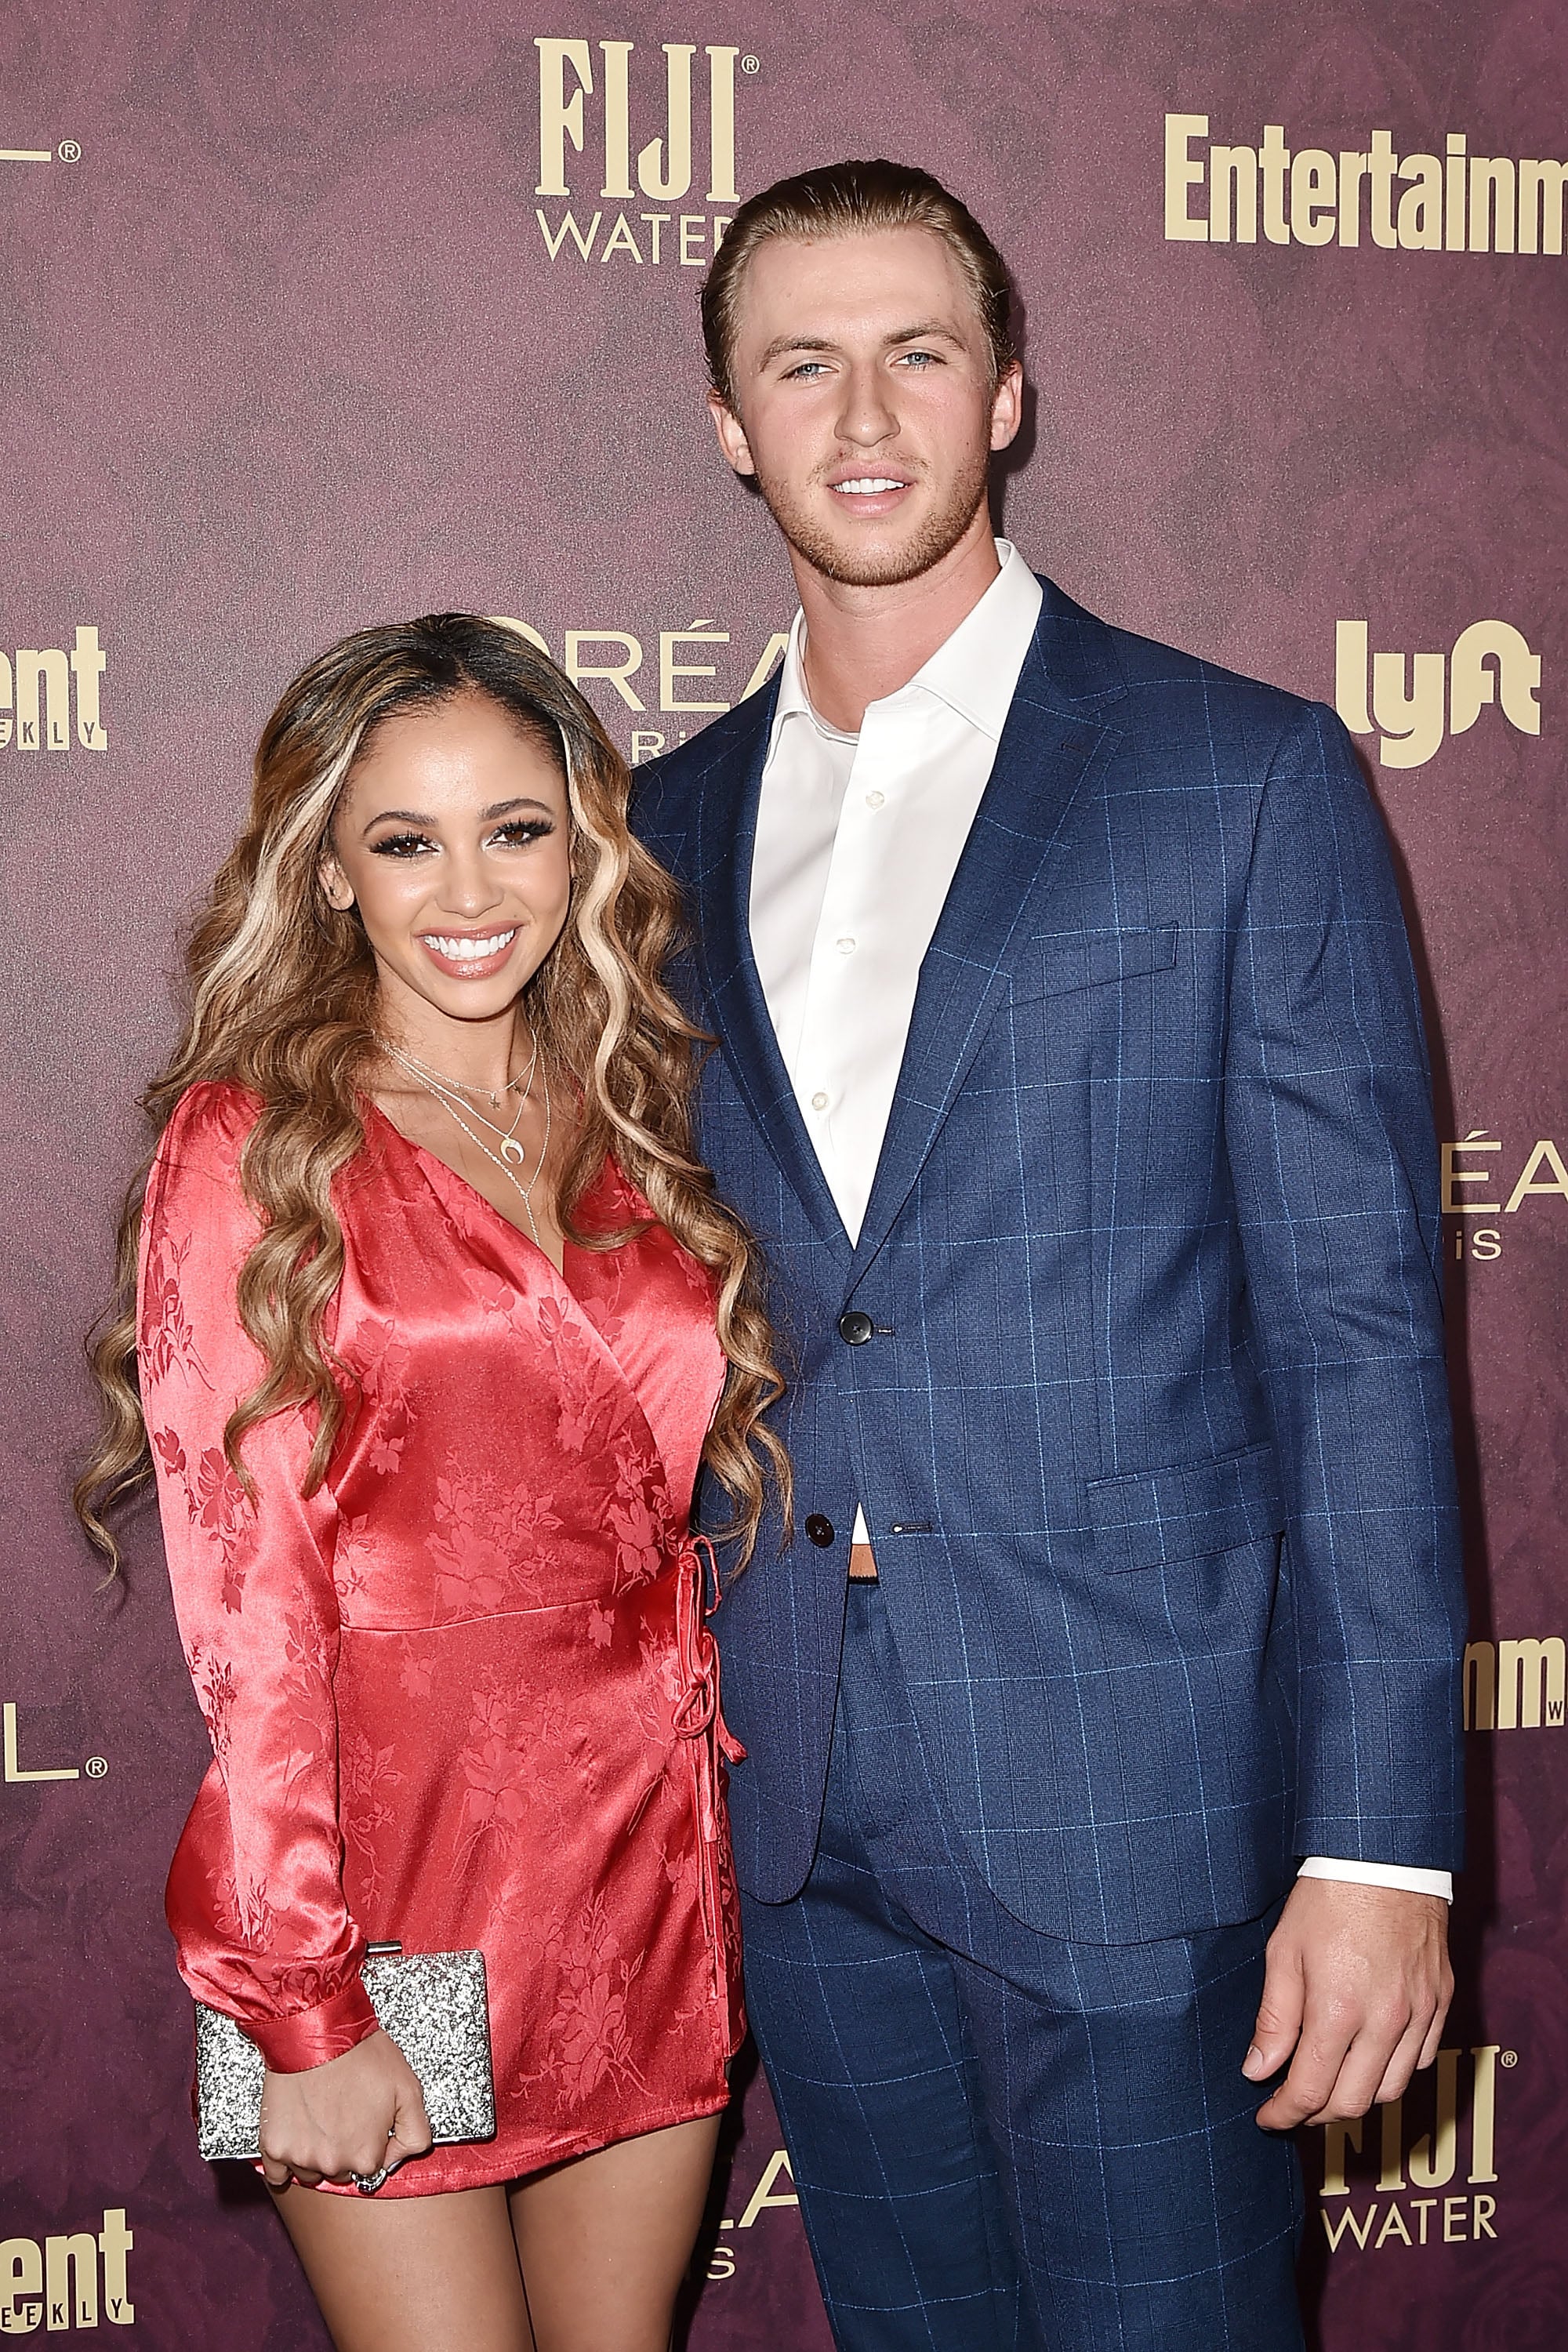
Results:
<point x="520" y="834"/>
<point x="401" y="845"/>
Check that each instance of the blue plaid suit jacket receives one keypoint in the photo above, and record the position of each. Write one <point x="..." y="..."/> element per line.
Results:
<point x="1152" y="1434"/>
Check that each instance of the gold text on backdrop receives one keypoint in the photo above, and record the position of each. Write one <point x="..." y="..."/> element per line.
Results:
<point x="59" y="2281"/>
<point x="1491" y="662"/>
<point x="1430" y="2161"/>
<point x="1478" y="1161"/>
<point x="1516" y="1686"/>
<point x="1452" y="203"/>
<point x="37" y="693"/>
<point x="664" y="165"/>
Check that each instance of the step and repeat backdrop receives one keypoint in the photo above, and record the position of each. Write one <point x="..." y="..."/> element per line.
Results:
<point x="316" y="316"/>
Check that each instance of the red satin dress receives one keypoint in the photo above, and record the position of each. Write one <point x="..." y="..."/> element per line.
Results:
<point x="463" y="1695"/>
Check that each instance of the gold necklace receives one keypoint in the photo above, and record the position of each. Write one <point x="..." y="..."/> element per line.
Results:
<point x="524" y="1191"/>
<point x="425" y="1074"/>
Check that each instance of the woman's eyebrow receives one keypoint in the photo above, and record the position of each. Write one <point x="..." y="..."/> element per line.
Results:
<point x="487" y="816"/>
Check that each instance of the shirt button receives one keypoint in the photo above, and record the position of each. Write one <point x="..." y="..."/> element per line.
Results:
<point x="875" y="800"/>
<point x="819" y="1102"/>
<point x="846" y="947"/>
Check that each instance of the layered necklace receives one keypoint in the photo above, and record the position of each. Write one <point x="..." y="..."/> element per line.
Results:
<point x="452" y="1095"/>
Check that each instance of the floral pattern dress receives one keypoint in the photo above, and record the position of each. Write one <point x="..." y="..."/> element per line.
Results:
<point x="464" y="1694"/>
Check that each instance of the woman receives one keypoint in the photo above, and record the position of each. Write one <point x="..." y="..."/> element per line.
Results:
<point x="438" y="1318"/>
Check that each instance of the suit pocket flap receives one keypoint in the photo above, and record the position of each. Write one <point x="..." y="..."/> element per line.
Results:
<point x="1061" y="960"/>
<point x="1150" y="1515"/>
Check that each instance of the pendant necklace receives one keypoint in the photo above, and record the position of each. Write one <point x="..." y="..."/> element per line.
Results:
<point x="509" y="1147"/>
<point x="449" y="1091"/>
<point x="424" y="1072"/>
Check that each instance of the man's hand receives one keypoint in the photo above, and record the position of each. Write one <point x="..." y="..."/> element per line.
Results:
<point x="1357" y="1986"/>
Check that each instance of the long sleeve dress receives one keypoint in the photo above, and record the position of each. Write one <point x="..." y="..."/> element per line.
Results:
<point x="463" y="1695"/>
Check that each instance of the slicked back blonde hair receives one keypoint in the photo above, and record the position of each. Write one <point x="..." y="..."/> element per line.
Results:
<point x="852" y="199"/>
<point x="282" y="1002"/>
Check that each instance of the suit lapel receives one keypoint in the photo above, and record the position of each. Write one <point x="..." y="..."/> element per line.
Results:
<point x="727" y="831"/>
<point x="1042" y="760"/>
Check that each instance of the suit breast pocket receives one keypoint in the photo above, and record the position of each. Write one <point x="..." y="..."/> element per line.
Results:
<point x="1055" y="963"/>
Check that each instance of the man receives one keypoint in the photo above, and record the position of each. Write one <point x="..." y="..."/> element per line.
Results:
<point x="1101" y="1712"/>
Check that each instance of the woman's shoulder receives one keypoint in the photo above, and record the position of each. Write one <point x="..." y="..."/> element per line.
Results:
<point x="200" y="1154"/>
<point x="209" y="1128"/>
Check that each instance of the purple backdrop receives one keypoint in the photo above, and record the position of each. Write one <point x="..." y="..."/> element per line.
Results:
<point x="317" y="316"/>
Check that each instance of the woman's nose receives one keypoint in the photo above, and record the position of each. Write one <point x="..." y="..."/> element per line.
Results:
<point x="469" y="887"/>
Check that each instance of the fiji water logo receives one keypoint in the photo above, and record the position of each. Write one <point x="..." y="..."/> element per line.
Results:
<point x="1411" y="701"/>
<point x="595" y="104"/>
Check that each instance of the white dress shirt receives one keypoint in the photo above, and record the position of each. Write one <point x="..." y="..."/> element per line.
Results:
<point x="858" y="837"/>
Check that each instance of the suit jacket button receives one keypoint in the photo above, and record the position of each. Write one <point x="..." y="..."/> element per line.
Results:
<point x="820" y="1530"/>
<point x="855" y="1327"/>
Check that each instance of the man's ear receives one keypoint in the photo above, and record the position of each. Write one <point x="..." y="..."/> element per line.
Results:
<point x="1008" y="405"/>
<point x="335" y="883"/>
<point x="732" y="433"/>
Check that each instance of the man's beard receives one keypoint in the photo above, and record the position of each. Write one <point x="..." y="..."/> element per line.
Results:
<point x="889" y="567"/>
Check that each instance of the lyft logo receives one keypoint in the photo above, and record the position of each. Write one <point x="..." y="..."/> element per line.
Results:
<point x="1416" y="699"/>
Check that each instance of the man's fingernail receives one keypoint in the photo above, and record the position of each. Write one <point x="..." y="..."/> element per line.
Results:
<point x="1253" y="2066"/>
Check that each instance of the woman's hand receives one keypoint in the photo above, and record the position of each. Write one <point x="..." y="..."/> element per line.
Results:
<point x="356" y="2114"/>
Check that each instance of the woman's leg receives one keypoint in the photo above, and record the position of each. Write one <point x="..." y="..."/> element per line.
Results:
<point x="412" y="2274"/>
<point x="605" y="2240"/>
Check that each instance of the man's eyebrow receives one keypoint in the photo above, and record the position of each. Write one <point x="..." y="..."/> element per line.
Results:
<point x="923" y="330"/>
<point x="929" y="330"/>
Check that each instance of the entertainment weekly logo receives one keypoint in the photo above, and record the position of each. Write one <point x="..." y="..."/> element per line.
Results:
<point x="51" y="698"/>
<point x="1422" y="203"/>
<point x="591" y="95"/>
<point x="68" y="2280"/>
<point x="1516" y="1686"/>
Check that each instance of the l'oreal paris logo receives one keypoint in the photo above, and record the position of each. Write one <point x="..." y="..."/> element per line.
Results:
<point x="590" y="96"/>
<point x="1415" y="698"/>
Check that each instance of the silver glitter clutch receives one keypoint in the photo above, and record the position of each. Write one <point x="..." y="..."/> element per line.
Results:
<point x="434" y="2006"/>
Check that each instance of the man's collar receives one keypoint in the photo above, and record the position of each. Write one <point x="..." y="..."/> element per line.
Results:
<point x="975" y="671"/>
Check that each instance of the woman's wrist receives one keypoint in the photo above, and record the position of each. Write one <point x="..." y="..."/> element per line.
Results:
<point x="312" y="2037"/>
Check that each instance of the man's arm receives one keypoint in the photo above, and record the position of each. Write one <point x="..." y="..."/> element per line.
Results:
<point x="1334" y="1166"/>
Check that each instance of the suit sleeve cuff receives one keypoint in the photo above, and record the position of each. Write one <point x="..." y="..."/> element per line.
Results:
<point x="293" y="2045"/>
<point x="1399" y="1874"/>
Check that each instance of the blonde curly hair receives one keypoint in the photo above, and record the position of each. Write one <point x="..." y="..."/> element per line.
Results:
<point x="282" y="998"/>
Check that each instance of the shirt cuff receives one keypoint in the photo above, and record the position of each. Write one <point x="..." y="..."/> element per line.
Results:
<point x="293" y="2045"/>
<point x="1399" y="1874"/>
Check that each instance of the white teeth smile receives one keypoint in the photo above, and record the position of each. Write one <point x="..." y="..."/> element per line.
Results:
<point x="869" y="484"/>
<point x="469" y="950"/>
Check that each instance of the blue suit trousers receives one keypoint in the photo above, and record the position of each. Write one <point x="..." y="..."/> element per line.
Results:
<point x="1002" y="2139"/>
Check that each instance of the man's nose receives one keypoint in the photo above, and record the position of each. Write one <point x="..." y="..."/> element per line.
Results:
<point x="867" y="414"/>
